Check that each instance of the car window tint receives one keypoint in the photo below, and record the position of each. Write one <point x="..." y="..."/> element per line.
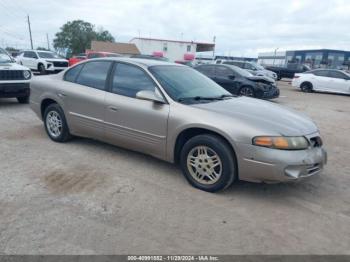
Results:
<point x="321" y="73"/>
<point x="129" y="79"/>
<point x="222" y="71"/>
<point x="71" y="74"/>
<point x="336" y="74"/>
<point x="248" y="66"/>
<point x="94" y="74"/>
<point x="207" y="70"/>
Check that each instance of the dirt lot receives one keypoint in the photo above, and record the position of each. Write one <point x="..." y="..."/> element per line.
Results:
<point x="86" y="197"/>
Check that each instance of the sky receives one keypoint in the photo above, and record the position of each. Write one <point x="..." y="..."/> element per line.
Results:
<point x="241" y="27"/>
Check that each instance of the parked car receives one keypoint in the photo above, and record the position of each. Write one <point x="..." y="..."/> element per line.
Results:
<point x="177" y="114"/>
<point x="326" y="80"/>
<point x="42" y="61"/>
<point x="152" y="57"/>
<point x="76" y="59"/>
<point x="239" y="81"/>
<point x="288" y="71"/>
<point x="14" y="78"/>
<point x="90" y="55"/>
<point x="253" y="68"/>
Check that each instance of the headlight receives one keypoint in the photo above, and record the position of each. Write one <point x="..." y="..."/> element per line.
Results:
<point x="26" y="74"/>
<point x="282" y="142"/>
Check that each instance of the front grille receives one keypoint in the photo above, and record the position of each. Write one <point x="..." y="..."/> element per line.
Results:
<point x="11" y="75"/>
<point x="316" y="141"/>
<point x="60" y="64"/>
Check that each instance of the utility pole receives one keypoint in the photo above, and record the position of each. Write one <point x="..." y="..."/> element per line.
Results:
<point x="214" y="40"/>
<point x="30" y="32"/>
<point x="48" y="43"/>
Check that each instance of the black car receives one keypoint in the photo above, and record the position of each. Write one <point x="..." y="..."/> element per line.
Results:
<point x="288" y="71"/>
<point x="239" y="81"/>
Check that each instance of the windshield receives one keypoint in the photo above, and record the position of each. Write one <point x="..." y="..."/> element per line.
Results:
<point x="257" y="66"/>
<point x="4" y="57"/>
<point x="47" y="55"/>
<point x="182" y="83"/>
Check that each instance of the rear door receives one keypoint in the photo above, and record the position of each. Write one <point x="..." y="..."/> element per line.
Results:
<point x="84" y="97"/>
<point x="130" y="122"/>
<point x="208" y="70"/>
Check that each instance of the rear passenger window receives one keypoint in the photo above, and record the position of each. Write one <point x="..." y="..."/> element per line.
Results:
<point x="129" y="79"/>
<point x="71" y="74"/>
<point x="321" y="73"/>
<point x="94" y="74"/>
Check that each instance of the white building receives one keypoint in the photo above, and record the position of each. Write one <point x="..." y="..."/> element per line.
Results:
<point x="171" y="49"/>
<point x="272" y="58"/>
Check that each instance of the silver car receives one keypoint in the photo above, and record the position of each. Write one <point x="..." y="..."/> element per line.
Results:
<point x="177" y="114"/>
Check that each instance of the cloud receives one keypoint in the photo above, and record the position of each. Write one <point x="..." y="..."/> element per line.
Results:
<point x="240" y="27"/>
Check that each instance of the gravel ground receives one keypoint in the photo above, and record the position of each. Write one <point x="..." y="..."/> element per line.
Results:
<point x="87" y="197"/>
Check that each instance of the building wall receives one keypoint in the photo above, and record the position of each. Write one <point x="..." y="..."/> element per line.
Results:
<point x="172" y="50"/>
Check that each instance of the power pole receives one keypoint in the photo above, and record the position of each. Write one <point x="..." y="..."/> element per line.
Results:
<point x="48" y="43"/>
<point x="30" y="32"/>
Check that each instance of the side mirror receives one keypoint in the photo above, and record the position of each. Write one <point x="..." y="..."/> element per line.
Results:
<point x="150" y="96"/>
<point x="231" y="76"/>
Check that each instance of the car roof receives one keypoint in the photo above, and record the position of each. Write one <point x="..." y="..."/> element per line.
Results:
<point x="137" y="61"/>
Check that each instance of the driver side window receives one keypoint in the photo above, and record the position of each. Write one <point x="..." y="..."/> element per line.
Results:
<point x="128" y="80"/>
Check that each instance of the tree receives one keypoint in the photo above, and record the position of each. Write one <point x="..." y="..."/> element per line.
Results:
<point x="42" y="48"/>
<point x="77" y="36"/>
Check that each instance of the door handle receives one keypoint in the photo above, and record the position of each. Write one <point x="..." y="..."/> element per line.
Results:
<point x="112" y="108"/>
<point x="61" y="95"/>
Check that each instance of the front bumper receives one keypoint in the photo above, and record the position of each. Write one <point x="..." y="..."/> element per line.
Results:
<point x="273" y="93"/>
<point x="8" y="90"/>
<point x="259" y="164"/>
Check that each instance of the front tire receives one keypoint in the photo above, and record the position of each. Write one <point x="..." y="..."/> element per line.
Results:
<point x="208" y="163"/>
<point x="246" y="91"/>
<point x="42" y="69"/>
<point x="23" y="99"/>
<point x="55" y="123"/>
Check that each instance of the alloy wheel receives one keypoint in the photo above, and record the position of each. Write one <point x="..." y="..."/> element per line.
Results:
<point x="204" y="165"/>
<point x="54" y="124"/>
<point x="246" y="91"/>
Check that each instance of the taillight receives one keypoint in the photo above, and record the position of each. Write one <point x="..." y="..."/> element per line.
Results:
<point x="296" y="76"/>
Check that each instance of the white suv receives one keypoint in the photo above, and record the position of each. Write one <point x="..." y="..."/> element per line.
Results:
<point x="14" y="78"/>
<point x="42" y="61"/>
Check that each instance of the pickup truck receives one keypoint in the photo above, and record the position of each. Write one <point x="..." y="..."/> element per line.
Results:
<point x="288" y="71"/>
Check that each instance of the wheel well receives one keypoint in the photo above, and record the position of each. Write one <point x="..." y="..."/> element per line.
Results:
<point x="39" y="65"/>
<point x="306" y="82"/>
<point x="44" y="104"/>
<point x="187" y="134"/>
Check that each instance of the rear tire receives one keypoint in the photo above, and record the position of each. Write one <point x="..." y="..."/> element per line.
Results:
<point x="23" y="99"/>
<point x="306" y="87"/>
<point x="55" y="124"/>
<point x="208" y="163"/>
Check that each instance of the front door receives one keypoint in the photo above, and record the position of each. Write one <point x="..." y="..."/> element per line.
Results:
<point x="226" y="78"/>
<point x="338" y="82"/>
<point x="132" y="123"/>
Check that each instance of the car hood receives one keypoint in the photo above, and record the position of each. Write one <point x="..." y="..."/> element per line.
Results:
<point x="12" y="66"/>
<point x="264" y="115"/>
<point x="260" y="79"/>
